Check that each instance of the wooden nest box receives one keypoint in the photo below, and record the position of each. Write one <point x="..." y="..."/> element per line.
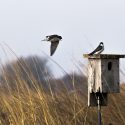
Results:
<point x="103" y="73"/>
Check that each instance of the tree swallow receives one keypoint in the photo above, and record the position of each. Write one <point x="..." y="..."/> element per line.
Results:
<point x="98" y="50"/>
<point x="54" y="39"/>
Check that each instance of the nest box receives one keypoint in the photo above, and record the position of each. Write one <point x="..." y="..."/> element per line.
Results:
<point x="103" y="74"/>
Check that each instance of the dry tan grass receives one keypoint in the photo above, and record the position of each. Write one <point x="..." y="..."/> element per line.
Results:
<point x="21" y="104"/>
<point x="23" y="101"/>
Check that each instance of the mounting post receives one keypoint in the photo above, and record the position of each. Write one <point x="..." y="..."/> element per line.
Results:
<point x="99" y="110"/>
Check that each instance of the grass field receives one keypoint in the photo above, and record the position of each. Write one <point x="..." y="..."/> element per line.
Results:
<point x="30" y="95"/>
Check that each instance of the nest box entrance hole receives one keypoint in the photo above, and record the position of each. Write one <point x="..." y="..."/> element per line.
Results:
<point x="109" y="66"/>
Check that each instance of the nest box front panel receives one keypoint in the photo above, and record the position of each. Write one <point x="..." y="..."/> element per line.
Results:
<point x="94" y="75"/>
<point x="110" y="75"/>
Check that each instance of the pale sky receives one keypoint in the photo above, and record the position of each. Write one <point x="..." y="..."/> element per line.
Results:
<point x="81" y="23"/>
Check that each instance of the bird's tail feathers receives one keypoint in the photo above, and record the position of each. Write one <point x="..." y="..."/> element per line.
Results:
<point x="44" y="40"/>
<point x="91" y="53"/>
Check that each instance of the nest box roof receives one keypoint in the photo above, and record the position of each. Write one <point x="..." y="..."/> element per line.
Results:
<point x="103" y="56"/>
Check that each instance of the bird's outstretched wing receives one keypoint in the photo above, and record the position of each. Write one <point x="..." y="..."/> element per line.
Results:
<point x="53" y="47"/>
<point x="99" y="48"/>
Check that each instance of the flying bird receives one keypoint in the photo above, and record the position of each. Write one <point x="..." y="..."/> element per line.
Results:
<point x="98" y="50"/>
<point x="54" y="39"/>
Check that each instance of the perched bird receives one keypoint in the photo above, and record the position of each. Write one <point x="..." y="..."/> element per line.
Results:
<point x="98" y="50"/>
<point x="54" y="39"/>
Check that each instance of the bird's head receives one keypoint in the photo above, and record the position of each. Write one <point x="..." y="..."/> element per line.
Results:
<point x="60" y="37"/>
<point x="101" y="43"/>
